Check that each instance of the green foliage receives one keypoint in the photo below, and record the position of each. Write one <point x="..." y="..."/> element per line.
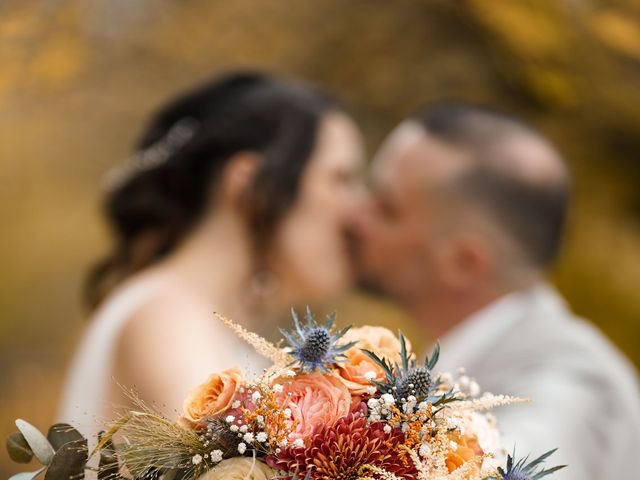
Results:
<point x="18" y="448"/>
<point x="156" y="446"/>
<point x="68" y="462"/>
<point x="533" y="470"/>
<point x="27" y="475"/>
<point x="38" y="443"/>
<point x="63" y="433"/>
<point x="63" y="453"/>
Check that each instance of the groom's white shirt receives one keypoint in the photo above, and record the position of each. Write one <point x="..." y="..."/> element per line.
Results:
<point x="586" y="397"/>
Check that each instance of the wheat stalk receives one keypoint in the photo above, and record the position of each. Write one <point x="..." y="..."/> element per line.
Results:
<point x="261" y="345"/>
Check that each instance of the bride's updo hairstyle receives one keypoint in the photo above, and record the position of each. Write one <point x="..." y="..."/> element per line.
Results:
<point x="153" y="201"/>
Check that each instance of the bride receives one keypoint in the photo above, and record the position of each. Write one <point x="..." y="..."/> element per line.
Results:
<point x="234" y="202"/>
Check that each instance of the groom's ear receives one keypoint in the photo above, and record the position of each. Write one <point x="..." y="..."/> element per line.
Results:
<point x="238" y="176"/>
<point x="467" y="261"/>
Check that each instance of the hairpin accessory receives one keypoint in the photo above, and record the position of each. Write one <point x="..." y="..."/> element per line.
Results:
<point x="155" y="155"/>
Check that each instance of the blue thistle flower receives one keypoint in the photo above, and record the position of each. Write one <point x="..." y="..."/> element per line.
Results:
<point x="521" y="470"/>
<point x="416" y="382"/>
<point x="314" y="346"/>
<point x="410" y="379"/>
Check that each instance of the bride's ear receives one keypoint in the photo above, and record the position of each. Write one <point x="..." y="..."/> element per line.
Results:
<point x="238" y="177"/>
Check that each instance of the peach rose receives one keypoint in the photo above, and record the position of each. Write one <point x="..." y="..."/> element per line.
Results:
<point x="358" y="371"/>
<point x="239" y="468"/>
<point x="314" y="399"/>
<point x="214" y="396"/>
<point x="379" y="340"/>
<point x="467" y="449"/>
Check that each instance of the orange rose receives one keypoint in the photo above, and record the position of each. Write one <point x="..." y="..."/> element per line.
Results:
<point x="214" y="396"/>
<point x="358" y="371"/>
<point x="379" y="340"/>
<point x="314" y="400"/>
<point x="467" y="449"/>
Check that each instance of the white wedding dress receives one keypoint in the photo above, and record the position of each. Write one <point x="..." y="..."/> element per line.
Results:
<point x="90" y="380"/>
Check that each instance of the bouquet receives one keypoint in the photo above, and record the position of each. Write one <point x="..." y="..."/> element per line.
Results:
<point x="349" y="404"/>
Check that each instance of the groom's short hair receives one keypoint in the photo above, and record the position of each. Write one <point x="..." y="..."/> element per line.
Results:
<point x="530" y="209"/>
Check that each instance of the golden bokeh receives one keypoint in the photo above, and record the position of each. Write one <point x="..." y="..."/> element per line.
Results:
<point x="78" y="78"/>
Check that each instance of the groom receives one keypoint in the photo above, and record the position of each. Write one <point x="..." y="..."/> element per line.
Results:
<point x="467" y="214"/>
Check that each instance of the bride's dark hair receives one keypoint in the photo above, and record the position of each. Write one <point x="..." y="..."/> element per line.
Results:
<point x="156" y="199"/>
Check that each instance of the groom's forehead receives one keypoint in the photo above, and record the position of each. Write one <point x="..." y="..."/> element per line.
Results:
<point x="411" y="154"/>
<point x="392" y="154"/>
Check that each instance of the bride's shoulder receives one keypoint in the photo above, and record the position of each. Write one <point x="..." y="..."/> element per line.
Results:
<point x="171" y="319"/>
<point x="167" y="301"/>
<point x="152" y="301"/>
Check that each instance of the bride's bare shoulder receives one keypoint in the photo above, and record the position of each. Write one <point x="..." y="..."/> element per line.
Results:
<point x="171" y="318"/>
<point x="170" y="339"/>
<point x="154" y="307"/>
<point x="167" y="304"/>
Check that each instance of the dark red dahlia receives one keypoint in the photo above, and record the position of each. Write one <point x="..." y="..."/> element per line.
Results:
<point x="342" y="451"/>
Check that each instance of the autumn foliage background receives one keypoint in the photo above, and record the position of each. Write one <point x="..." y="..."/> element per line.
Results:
<point x="78" y="78"/>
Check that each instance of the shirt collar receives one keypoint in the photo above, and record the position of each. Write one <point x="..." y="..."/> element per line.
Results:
<point x="479" y="331"/>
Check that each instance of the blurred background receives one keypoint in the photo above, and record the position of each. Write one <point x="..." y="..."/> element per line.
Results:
<point x="79" y="77"/>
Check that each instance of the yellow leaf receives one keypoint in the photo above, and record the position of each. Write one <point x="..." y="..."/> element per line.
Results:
<point x="618" y="31"/>
<point x="58" y="62"/>
<point x="531" y="29"/>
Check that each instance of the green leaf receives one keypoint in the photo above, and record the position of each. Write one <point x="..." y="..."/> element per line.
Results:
<point x="27" y="475"/>
<point x="540" y="460"/>
<point x="379" y="361"/>
<point x="170" y="474"/>
<point x="403" y="352"/>
<point x="548" y="471"/>
<point x="62" y="433"/>
<point x="69" y="462"/>
<point x="41" y="447"/>
<point x="18" y="448"/>
<point x="434" y="358"/>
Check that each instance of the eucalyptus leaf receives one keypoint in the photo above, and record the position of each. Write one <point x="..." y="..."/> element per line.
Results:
<point x="18" y="448"/>
<point x="27" y="475"/>
<point x="41" y="447"/>
<point x="170" y="474"/>
<point x="62" y="433"/>
<point x="69" y="462"/>
<point x="180" y="474"/>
